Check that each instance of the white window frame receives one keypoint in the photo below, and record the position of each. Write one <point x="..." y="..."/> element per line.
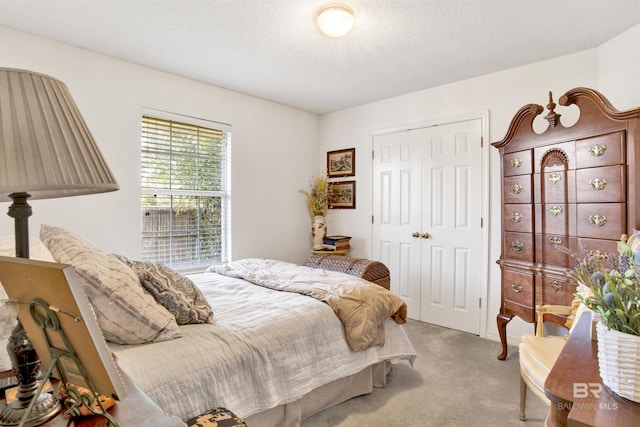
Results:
<point x="224" y="194"/>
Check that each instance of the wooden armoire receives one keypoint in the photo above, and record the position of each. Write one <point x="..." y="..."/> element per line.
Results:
<point x="572" y="187"/>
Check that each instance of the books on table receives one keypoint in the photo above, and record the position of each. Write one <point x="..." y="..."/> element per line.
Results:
<point x="337" y="242"/>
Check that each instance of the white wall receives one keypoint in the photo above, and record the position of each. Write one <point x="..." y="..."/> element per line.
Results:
<point x="502" y="94"/>
<point x="274" y="150"/>
<point x="619" y="69"/>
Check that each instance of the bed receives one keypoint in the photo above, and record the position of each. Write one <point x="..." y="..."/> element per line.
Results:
<point x="269" y="356"/>
<point x="277" y="349"/>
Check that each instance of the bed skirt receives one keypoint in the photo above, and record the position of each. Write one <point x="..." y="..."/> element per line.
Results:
<point x="334" y="393"/>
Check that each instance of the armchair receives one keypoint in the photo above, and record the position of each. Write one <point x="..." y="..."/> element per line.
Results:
<point x="538" y="352"/>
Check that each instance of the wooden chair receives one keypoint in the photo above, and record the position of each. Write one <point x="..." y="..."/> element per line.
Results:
<point x="538" y="352"/>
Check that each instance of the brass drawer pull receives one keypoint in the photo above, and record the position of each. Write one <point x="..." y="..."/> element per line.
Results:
<point x="516" y="188"/>
<point x="556" y="286"/>
<point x="518" y="246"/>
<point x="516" y="217"/>
<point x="556" y="240"/>
<point x="598" y="220"/>
<point x="555" y="177"/>
<point x="597" y="150"/>
<point x="555" y="210"/>
<point x="598" y="183"/>
<point x="516" y="163"/>
<point x="517" y="288"/>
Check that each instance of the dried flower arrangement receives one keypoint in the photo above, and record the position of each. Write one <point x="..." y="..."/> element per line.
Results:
<point x="318" y="196"/>
<point x="614" y="281"/>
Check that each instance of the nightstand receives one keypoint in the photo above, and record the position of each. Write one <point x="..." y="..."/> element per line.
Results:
<point x="136" y="409"/>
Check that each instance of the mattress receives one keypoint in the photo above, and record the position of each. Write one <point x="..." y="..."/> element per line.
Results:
<point x="265" y="348"/>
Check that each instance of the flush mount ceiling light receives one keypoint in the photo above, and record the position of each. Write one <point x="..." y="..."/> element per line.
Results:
<point x="335" y="20"/>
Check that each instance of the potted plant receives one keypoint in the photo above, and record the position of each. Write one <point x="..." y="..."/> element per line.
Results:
<point x="614" y="281"/>
<point x="318" y="203"/>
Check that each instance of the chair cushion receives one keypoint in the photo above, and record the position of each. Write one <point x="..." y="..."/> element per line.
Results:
<point x="538" y="355"/>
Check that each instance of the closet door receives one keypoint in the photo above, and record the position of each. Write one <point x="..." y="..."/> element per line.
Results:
<point x="451" y="216"/>
<point x="427" y="196"/>
<point x="397" y="212"/>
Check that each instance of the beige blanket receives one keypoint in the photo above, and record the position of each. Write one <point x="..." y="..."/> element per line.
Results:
<point x="362" y="306"/>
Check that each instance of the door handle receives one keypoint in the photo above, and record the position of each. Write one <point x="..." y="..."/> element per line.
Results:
<point x="415" y="234"/>
<point x="425" y="235"/>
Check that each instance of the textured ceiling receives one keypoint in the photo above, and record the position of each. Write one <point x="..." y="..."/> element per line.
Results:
<point x="272" y="49"/>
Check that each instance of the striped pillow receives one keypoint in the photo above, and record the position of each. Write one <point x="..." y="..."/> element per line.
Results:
<point x="125" y="312"/>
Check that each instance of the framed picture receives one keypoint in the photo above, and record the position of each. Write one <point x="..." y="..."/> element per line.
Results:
<point x="342" y="195"/>
<point x="341" y="163"/>
<point x="38" y="284"/>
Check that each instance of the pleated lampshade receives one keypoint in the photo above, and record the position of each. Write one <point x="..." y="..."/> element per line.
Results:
<point x="46" y="149"/>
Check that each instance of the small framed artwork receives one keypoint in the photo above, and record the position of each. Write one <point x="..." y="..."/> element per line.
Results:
<point x="342" y="195"/>
<point x="341" y="163"/>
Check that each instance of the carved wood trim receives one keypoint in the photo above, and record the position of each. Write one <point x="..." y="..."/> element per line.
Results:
<point x="554" y="157"/>
<point x="573" y="96"/>
<point x="525" y="115"/>
<point x="553" y="118"/>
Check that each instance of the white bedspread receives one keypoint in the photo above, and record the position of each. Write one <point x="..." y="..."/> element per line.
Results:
<point x="264" y="349"/>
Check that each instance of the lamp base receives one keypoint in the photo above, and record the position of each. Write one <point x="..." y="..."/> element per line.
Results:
<point x="26" y="365"/>
<point x="45" y="408"/>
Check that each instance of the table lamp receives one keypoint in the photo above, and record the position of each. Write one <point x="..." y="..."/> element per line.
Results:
<point x="46" y="151"/>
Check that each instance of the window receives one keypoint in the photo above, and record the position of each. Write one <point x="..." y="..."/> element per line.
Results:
<point x="185" y="203"/>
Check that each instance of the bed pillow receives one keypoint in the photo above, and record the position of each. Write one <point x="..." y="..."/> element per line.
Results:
<point x="173" y="291"/>
<point x="125" y="312"/>
<point x="37" y="249"/>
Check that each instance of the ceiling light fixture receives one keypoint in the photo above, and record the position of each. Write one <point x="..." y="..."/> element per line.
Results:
<point x="335" y="20"/>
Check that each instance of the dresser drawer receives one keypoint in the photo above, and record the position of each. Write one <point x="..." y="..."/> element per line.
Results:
<point x="525" y="312"/>
<point x="600" y="185"/>
<point x="518" y="218"/>
<point x="556" y="291"/>
<point x="517" y="189"/>
<point x="517" y="288"/>
<point x="518" y="246"/>
<point x="555" y="218"/>
<point x="601" y="220"/>
<point x="602" y="150"/>
<point x="518" y="163"/>
<point x="553" y="249"/>
<point x="555" y="187"/>
<point x="584" y="247"/>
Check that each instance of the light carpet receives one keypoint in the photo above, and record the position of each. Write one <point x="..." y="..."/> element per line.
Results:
<point x="456" y="380"/>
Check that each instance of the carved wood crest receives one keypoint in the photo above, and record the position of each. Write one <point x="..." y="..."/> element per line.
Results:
<point x="554" y="157"/>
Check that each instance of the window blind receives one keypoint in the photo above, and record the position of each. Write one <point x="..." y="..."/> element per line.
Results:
<point x="184" y="185"/>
